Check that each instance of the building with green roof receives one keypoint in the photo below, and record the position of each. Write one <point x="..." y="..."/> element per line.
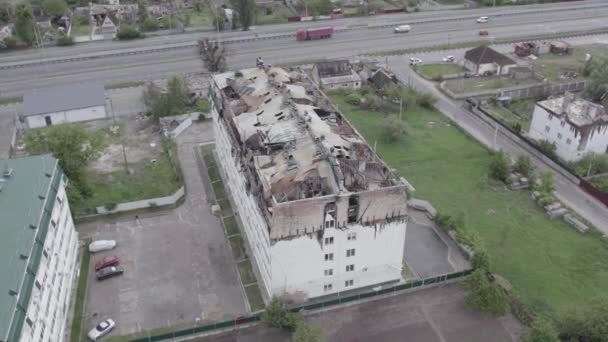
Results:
<point x="39" y="248"/>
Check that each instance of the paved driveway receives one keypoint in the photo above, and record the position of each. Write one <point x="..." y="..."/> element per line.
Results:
<point x="434" y="315"/>
<point x="178" y="266"/>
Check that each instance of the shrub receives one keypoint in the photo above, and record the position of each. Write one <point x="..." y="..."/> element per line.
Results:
<point x="517" y="127"/>
<point x="426" y="101"/>
<point x="546" y="183"/>
<point x="65" y="40"/>
<point x="481" y="259"/>
<point x="9" y="43"/>
<point x="541" y="331"/>
<point x="499" y="166"/>
<point x="111" y="205"/>
<point x="305" y="332"/>
<point x="128" y="32"/>
<point x="82" y="19"/>
<point x="277" y="315"/>
<point x="393" y="128"/>
<point x="548" y="148"/>
<point x="149" y="24"/>
<point x="203" y="105"/>
<point x="523" y="165"/>
<point x="586" y="322"/>
<point x="484" y="295"/>
<point x="591" y="164"/>
<point x="353" y="99"/>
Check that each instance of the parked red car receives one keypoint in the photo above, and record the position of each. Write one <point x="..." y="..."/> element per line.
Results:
<point x="107" y="262"/>
<point x="483" y="33"/>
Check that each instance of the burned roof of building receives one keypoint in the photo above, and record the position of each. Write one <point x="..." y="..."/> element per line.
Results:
<point x="579" y="112"/>
<point x="300" y="144"/>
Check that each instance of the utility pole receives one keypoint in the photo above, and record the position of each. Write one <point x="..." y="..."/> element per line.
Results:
<point x="124" y="152"/>
<point x="400" y="108"/>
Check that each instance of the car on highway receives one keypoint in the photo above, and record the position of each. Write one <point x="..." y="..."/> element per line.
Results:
<point x="101" y="329"/>
<point x="483" y="32"/>
<point x="448" y="59"/>
<point x="107" y="261"/>
<point x="402" y="29"/>
<point x="109" y="272"/>
<point x="415" y="61"/>
<point x="482" y="20"/>
<point x="101" y="245"/>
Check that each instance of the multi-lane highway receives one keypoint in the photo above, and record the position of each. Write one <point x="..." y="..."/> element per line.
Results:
<point x="427" y="29"/>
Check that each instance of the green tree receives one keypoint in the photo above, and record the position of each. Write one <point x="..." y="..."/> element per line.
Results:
<point x="174" y="102"/>
<point x="319" y="7"/>
<point x="586" y="322"/>
<point x="24" y="24"/>
<point x="591" y="164"/>
<point x="54" y="7"/>
<point x="548" y="148"/>
<point x="73" y="146"/>
<point x="541" y="331"/>
<point x="306" y="332"/>
<point x="8" y="43"/>
<point x="5" y="12"/>
<point x="598" y="89"/>
<point x="546" y="183"/>
<point x="149" y="24"/>
<point x="523" y="165"/>
<point x="499" y="166"/>
<point x="277" y="315"/>
<point x="481" y="259"/>
<point x="245" y="10"/>
<point x="142" y="13"/>
<point x="484" y="295"/>
<point x="213" y="55"/>
<point x="393" y="128"/>
<point x="65" y="40"/>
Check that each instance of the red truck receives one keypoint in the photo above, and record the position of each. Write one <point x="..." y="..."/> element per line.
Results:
<point x="317" y="33"/>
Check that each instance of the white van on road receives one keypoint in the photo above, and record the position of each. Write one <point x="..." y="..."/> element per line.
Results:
<point x="482" y="20"/>
<point x="402" y="29"/>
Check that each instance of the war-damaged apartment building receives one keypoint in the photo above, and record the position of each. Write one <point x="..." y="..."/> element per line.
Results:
<point x="321" y="211"/>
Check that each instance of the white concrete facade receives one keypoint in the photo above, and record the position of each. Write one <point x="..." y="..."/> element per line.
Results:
<point x="490" y="68"/>
<point x="571" y="144"/>
<point x="49" y="304"/>
<point x="75" y="115"/>
<point x="360" y="255"/>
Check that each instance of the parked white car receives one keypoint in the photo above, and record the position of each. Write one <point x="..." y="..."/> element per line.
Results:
<point x="101" y="245"/>
<point x="402" y="29"/>
<point x="101" y="329"/>
<point x="448" y="59"/>
<point x="482" y="20"/>
<point x="415" y="61"/>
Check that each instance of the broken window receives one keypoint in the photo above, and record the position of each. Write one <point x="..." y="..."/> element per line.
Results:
<point x="329" y="215"/>
<point x="329" y="256"/>
<point x="353" y="208"/>
<point x="329" y="240"/>
<point x="351" y="236"/>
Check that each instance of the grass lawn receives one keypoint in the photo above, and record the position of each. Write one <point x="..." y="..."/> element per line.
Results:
<point x="465" y="85"/>
<point x="255" y="297"/>
<point x="10" y="99"/>
<point x="246" y="272"/>
<point x="550" y="265"/>
<point x="149" y="180"/>
<point x="435" y="70"/>
<point x="278" y="14"/>
<point x="551" y="66"/>
<point x="238" y="250"/>
<point x="601" y="183"/>
<point x="121" y="85"/>
<point x="231" y="226"/>
<point x="203" y="18"/>
<point x="81" y="292"/>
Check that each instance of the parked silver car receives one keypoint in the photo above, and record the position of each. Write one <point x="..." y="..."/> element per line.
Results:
<point x="101" y="329"/>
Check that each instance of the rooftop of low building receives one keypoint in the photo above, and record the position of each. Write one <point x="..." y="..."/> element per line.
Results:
<point x="300" y="144"/>
<point x="578" y="111"/>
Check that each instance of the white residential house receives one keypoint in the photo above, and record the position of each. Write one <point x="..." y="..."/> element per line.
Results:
<point x="320" y="210"/>
<point x="65" y="104"/>
<point x="576" y="126"/>
<point x="39" y="250"/>
<point x="484" y="60"/>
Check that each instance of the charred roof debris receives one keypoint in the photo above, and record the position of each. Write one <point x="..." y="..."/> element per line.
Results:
<point x="301" y="158"/>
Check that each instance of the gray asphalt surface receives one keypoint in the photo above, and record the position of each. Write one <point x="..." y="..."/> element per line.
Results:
<point x="432" y="315"/>
<point x="343" y="44"/>
<point x="393" y="19"/>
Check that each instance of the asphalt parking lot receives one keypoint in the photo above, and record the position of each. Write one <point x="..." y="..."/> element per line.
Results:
<point x="178" y="265"/>
<point x="428" y="251"/>
<point x="437" y="314"/>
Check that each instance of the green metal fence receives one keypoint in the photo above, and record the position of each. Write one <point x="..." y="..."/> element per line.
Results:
<point x="307" y="307"/>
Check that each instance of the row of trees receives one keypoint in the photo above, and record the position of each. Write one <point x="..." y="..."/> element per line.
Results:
<point x="597" y="70"/>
